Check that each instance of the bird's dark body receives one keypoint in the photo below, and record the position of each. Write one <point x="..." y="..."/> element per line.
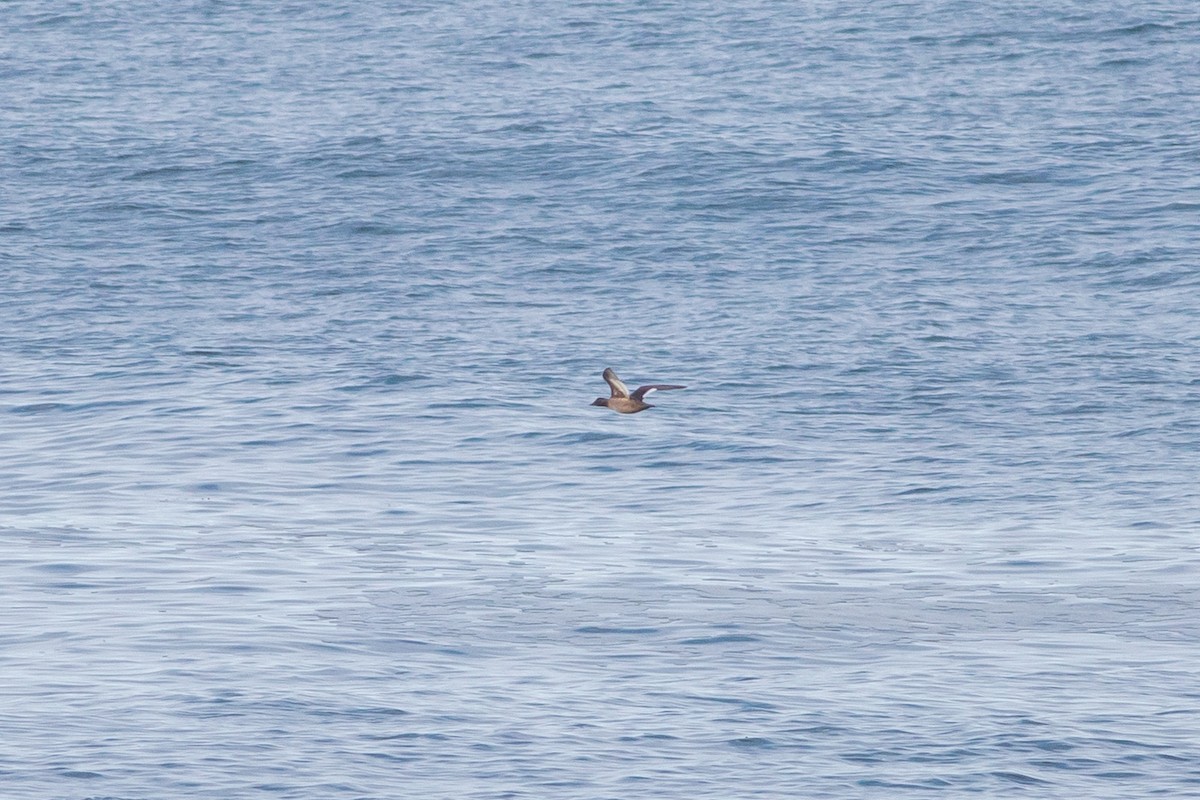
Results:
<point x="622" y="400"/>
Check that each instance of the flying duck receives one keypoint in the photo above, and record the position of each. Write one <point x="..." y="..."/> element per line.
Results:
<point x="622" y="401"/>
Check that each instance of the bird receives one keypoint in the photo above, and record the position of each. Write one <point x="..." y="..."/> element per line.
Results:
<point x="622" y="401"/>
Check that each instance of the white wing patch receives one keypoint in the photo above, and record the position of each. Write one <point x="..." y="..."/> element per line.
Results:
<point x="618" y="387"/>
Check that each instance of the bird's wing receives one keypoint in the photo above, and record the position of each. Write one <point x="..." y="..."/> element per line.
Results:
<point x="619" y="389"/>
<point x="642" y="391"/>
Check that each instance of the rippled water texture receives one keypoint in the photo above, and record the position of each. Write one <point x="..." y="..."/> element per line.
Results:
<point x="303" y="307"/>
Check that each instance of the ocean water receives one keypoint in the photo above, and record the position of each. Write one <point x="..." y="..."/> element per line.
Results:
<point x="303" y="306"/>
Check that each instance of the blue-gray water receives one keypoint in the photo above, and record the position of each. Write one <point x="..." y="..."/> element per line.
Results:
<point x="302" y="308"/>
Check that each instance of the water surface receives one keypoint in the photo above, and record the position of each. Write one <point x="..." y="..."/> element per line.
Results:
<point x="303" y="307"/>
